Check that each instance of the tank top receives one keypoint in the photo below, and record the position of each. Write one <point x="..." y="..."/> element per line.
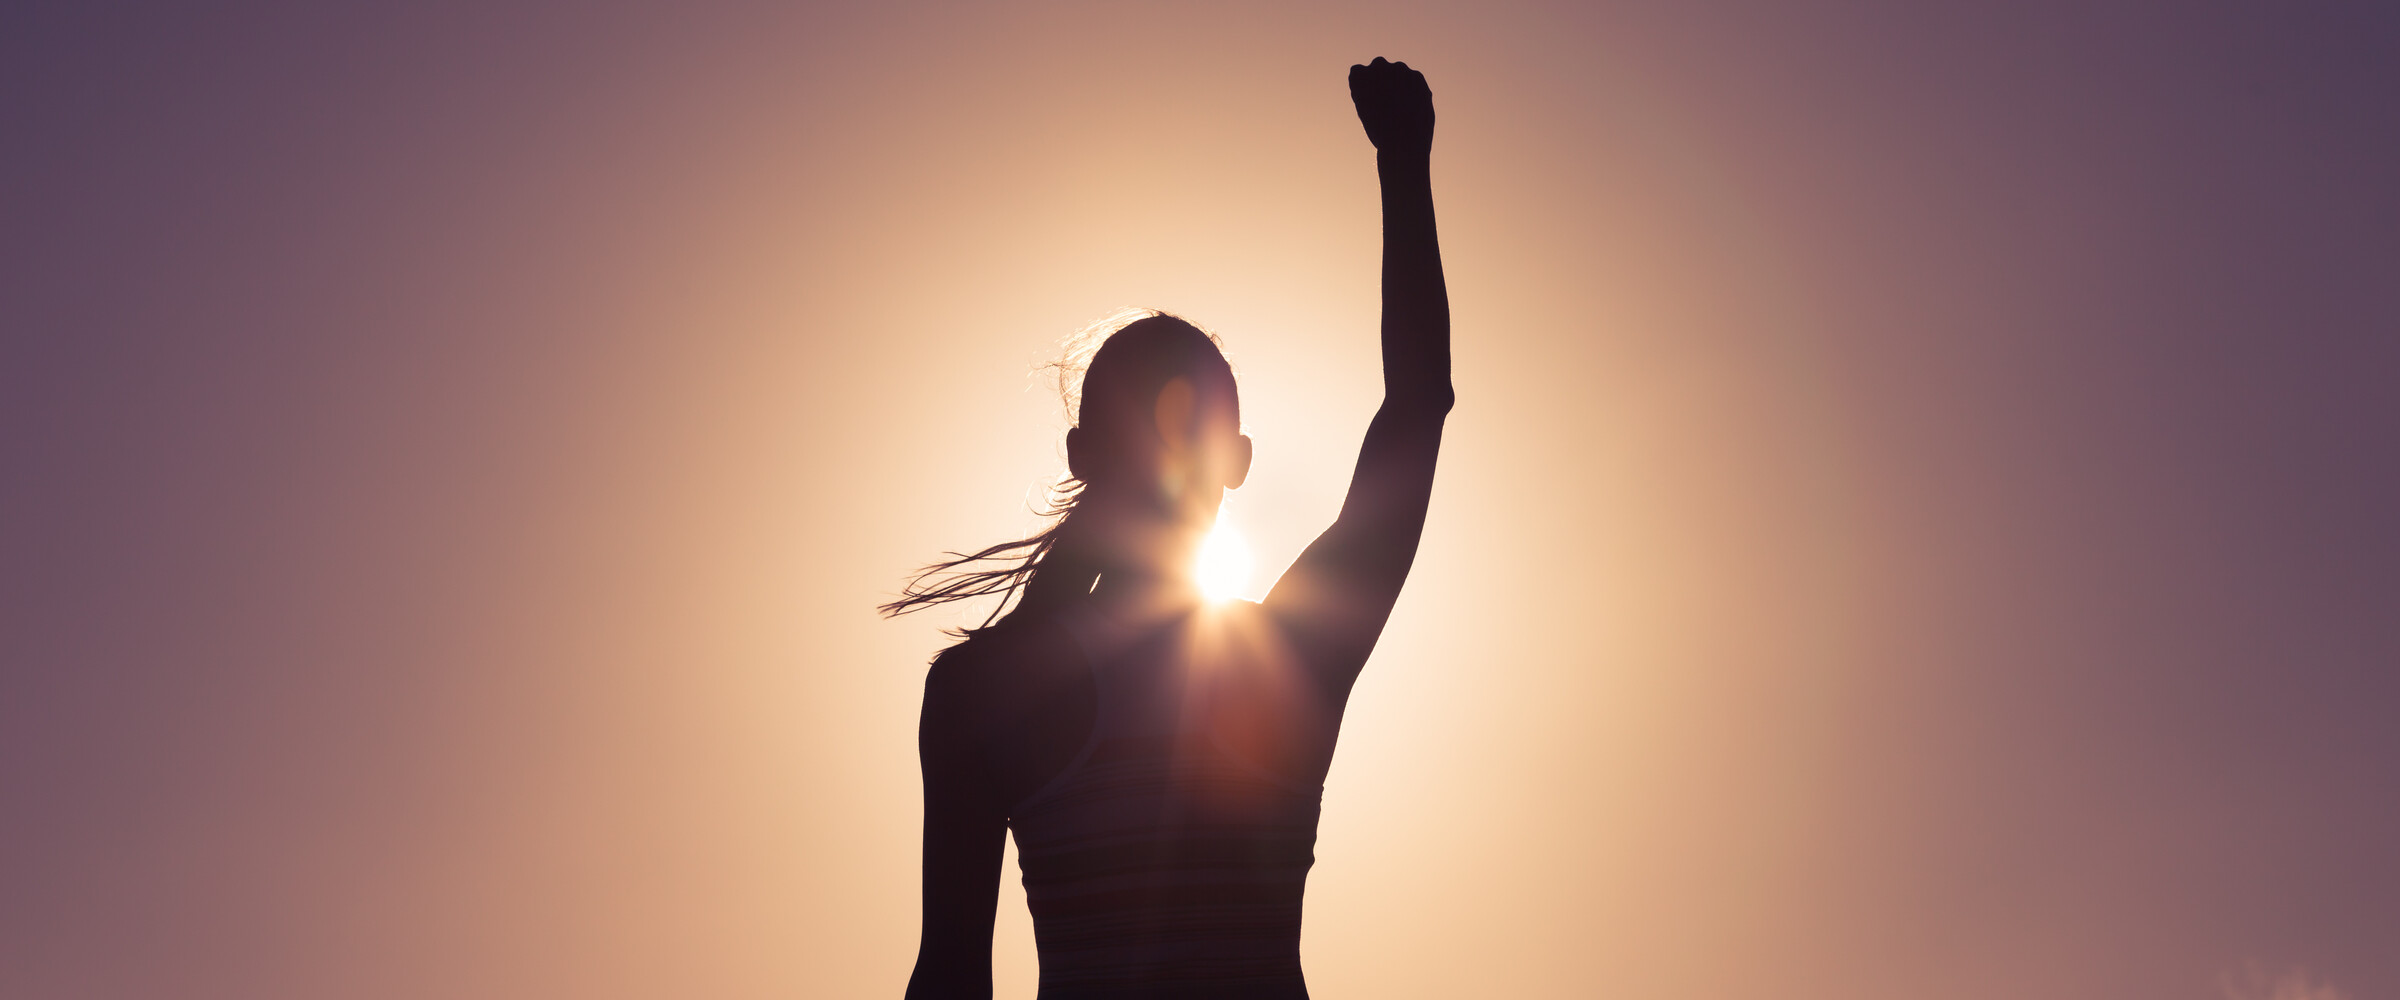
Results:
<point x="1159" y="863"/>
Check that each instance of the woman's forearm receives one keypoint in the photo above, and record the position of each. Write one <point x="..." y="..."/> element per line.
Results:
<point x="1416" y="302"/>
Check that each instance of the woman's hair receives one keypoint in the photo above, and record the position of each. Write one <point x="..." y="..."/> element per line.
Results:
<point x="1112" y="368"/>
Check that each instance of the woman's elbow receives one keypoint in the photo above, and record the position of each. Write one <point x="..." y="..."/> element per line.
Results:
<point x="1434" y="400"/>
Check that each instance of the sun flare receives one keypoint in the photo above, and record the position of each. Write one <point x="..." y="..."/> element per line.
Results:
<point x="1224" y="565"/>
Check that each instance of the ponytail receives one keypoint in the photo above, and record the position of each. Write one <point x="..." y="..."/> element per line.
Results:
<point x="1035" y="570"/>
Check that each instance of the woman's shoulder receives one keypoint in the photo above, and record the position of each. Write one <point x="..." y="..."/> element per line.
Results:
<point x="1000" y="666"/>
<point x="1003" y="645"/>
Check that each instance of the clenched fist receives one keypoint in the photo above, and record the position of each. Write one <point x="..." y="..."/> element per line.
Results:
<point x="1395" y="106"/>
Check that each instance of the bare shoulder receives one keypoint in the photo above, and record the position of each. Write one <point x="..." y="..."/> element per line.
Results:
<point x="1012" y="705"/>
<point x="960" y="680"/>
<point x="998" y="675"/>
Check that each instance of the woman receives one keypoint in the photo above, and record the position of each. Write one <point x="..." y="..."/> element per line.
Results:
<point x="1160" y="759"/>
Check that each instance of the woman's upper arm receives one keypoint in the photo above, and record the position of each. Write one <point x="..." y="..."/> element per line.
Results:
<point x="965" y="833"/>
<point x="1332" y="603"/>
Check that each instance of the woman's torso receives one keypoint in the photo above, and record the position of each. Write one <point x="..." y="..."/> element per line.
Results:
<point x="1168" y="854"/>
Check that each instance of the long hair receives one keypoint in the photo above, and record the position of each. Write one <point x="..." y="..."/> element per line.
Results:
<point x="1056" y="563"/>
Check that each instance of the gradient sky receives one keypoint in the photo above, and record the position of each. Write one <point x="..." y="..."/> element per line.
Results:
<point x="1918" y="520"/>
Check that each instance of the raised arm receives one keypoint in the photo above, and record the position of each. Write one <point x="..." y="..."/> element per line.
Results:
<point x="1333" y="602"/>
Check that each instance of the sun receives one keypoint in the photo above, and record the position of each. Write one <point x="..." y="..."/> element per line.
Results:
<point x="1224" y="565"/>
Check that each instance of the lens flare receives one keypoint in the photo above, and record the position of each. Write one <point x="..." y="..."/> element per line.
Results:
<point x="1224" y="565"/>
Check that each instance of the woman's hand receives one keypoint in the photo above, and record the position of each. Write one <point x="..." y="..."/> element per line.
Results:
<point x="1395" y="106"/>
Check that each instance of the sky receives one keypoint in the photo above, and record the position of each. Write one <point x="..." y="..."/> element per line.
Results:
<point x="1916" y="523"/>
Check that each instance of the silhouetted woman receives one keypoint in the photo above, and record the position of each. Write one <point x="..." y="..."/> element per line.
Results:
<point x="1159" y="758"/>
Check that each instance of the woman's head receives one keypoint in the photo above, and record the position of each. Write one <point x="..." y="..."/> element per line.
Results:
<point x="1157" y="438"/>
<point x="1156" y="443"/>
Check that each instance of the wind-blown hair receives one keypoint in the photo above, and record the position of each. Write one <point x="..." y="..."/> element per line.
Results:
<point x="1124" y="358"/>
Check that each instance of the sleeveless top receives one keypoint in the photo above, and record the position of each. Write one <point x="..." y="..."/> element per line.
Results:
<point x="1159" y="863"/>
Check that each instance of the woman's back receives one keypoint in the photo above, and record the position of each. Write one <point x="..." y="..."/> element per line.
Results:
<point x="1164" y="853"/>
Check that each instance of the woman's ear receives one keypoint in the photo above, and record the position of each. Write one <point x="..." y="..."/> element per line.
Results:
<point x="1237" y="471"/>
<point x="1078" y="463"/>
